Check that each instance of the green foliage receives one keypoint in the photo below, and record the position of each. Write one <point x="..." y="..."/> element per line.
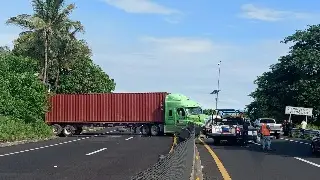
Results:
<point x="22" y="95"/>
<point x="65" y="52"/>
<point x="12" y="129"/>
<point x="208" y="111"/>
<point x="85" y="77"/>
<point x="294" y="80"/>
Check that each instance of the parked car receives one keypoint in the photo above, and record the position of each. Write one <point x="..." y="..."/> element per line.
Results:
<point x="315" y="144"/>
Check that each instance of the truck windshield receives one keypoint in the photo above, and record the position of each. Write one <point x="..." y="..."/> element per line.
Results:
<point x="194" y="110"/>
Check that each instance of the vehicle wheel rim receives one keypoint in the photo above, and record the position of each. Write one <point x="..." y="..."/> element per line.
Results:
<point x="144" y="130"/>
<point x="55" y="130"/>
<point x="67" y="131"/>
<point x="154" y="130"/>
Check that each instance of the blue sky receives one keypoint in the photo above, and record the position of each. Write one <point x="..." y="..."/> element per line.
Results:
<point x="175" y="46"/>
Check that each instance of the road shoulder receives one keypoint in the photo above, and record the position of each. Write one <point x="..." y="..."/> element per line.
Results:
<point x="210" y="169"/>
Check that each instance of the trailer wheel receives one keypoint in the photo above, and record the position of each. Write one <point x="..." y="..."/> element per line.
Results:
<point x="69" y="130"/>
<point x="145" y="130"/>
<point x="56" y="129"/>
<point x="155" y="130"/>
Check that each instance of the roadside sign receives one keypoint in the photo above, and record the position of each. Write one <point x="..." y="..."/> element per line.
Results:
<point x="298" y="111"/>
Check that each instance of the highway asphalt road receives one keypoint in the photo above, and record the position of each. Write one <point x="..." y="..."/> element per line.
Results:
<point x="105" y="155"/>
<point x="290" y="159"/>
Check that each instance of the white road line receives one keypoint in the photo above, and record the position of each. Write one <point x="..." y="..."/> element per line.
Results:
<point x="52" y="145"/>
<point x="129" y="138"/>
<point x="94" y="152"/>
<point x="309" y="162"/>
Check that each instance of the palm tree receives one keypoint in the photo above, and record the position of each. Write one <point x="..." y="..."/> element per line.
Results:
<point x="67" y="47"/>
<point x="48" y="18"/>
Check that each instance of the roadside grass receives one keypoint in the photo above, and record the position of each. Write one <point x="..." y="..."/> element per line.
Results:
<point x="12" y="129"/>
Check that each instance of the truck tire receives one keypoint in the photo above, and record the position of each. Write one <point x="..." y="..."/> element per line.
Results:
<point x="145" y="130"/>
<point x="277" y="136"/>
<point x="155" y="130"/>
<point x="68" y="130"/>
<point x="56" y="129"/>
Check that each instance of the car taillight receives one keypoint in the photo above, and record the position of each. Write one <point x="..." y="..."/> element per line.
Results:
<point x="238" y="130"/>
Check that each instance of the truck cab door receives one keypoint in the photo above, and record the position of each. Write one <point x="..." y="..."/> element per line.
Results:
<point x="181" y="120"/>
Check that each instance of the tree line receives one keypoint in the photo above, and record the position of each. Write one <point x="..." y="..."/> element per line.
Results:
<point x="293" y="81"/>
<point x="47" y="55"/>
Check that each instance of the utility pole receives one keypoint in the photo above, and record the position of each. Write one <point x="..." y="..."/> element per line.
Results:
<point x="216" y="92"/>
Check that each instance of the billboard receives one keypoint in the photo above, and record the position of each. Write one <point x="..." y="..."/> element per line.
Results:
<point x="299" y="111"/>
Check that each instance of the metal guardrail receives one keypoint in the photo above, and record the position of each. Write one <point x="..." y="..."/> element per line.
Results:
<point x="176" y="165"/>
<point x="310" y="132"/>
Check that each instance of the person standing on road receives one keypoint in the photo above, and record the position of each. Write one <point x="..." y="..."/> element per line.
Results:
<point x="303" y="127"/>
<point x="290" y="126"/>
<point x="265" y="132"/>
<point x="285" y="128"/>
<point x="245" y="133"/>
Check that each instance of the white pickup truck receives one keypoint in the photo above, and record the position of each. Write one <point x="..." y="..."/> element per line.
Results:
<point x="274" y="127"/>
<point x="229" y="129"/>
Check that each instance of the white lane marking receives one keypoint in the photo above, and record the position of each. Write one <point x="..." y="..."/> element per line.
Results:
<point x="94" y="152"/>
<point x="129" y="138"/>
<point x="296" y="141"/>
<point x="306" y="161"/>
<point x="51" y="145"/>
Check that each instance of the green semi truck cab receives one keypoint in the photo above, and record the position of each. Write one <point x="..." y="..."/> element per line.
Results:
<point x="179" y="111"/>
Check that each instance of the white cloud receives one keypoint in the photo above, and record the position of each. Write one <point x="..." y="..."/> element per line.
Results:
<point x="182" y="45"/>
<point x="147" y="7"/>
<point x="141" y="6"/>
<point x="251" y="11"/>
<point x="189" y="66"/>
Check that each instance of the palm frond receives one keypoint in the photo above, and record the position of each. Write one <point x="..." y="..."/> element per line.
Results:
<point x="65" y="13"/>
<point x="39" y="8"/>
<point x="23" y="20"/>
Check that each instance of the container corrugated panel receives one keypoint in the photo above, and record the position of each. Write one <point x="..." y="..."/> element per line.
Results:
<point x="109" y="107"/>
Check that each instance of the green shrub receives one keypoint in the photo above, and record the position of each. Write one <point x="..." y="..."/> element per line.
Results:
<point x="22" y="95"/>
<point x="12" y="129"/>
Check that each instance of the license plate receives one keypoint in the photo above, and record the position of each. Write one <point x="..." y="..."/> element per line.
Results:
<point x="271" y="131"/>
<point x="250" y="133"/>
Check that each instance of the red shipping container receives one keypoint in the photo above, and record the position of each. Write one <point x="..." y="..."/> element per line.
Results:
<point x="106" y="108"/>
